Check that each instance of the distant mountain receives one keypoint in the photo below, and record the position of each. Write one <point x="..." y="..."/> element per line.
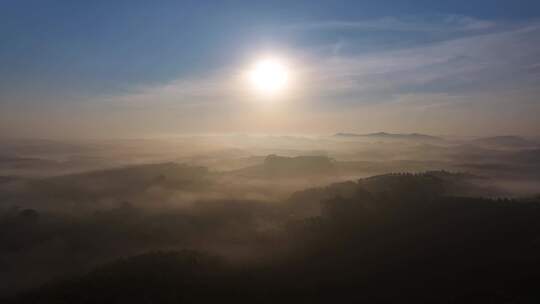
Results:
<point x="505" y="141"/>
<point x="392" y="136"/>
<point x="418" y="186"/>
<point x="527" y="156"/>
<point x="13" y="159"/>
<point x="136" y="177"/>
<point x="13" y="165"/>
<point x="96" y="187"/>
<point x="429" y="182"/>
<point x="8" y="179"/>
<point x="282" y="166"/>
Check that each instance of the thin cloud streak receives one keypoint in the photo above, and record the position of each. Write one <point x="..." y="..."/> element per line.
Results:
<point x="449" y="66"/>
<point x="448" y="23"/>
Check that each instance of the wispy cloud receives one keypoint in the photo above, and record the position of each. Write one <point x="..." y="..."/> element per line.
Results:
<point x="484" y="74"/>
<point x="483" y="62"/>
<point x="180" y="93"/>
<point x="436" y="23"/>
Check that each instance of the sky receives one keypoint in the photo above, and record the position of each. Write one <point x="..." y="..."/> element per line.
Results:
<point x="145" y="68"/>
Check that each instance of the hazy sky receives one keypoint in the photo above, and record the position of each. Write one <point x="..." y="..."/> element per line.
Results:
<point x="142" y="68"/>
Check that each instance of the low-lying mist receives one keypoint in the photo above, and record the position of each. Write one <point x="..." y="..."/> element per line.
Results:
<point x="378" y="210"/>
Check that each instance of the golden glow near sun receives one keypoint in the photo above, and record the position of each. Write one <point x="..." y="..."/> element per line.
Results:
<point x="269" y="76"/>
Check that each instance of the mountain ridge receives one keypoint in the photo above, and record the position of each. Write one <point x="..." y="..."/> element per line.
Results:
<point x="385" y="135"/>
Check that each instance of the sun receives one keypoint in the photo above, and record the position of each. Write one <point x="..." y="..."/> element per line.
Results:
<point x="269" y="76"/>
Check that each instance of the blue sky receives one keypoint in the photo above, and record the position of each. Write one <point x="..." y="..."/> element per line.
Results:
<point x="96" y="67"/>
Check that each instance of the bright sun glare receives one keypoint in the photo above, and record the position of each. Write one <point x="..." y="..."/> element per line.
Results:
<point x="269" y="76"/>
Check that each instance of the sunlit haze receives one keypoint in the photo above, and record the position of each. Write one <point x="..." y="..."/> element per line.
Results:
<point x="269" y="77"/>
